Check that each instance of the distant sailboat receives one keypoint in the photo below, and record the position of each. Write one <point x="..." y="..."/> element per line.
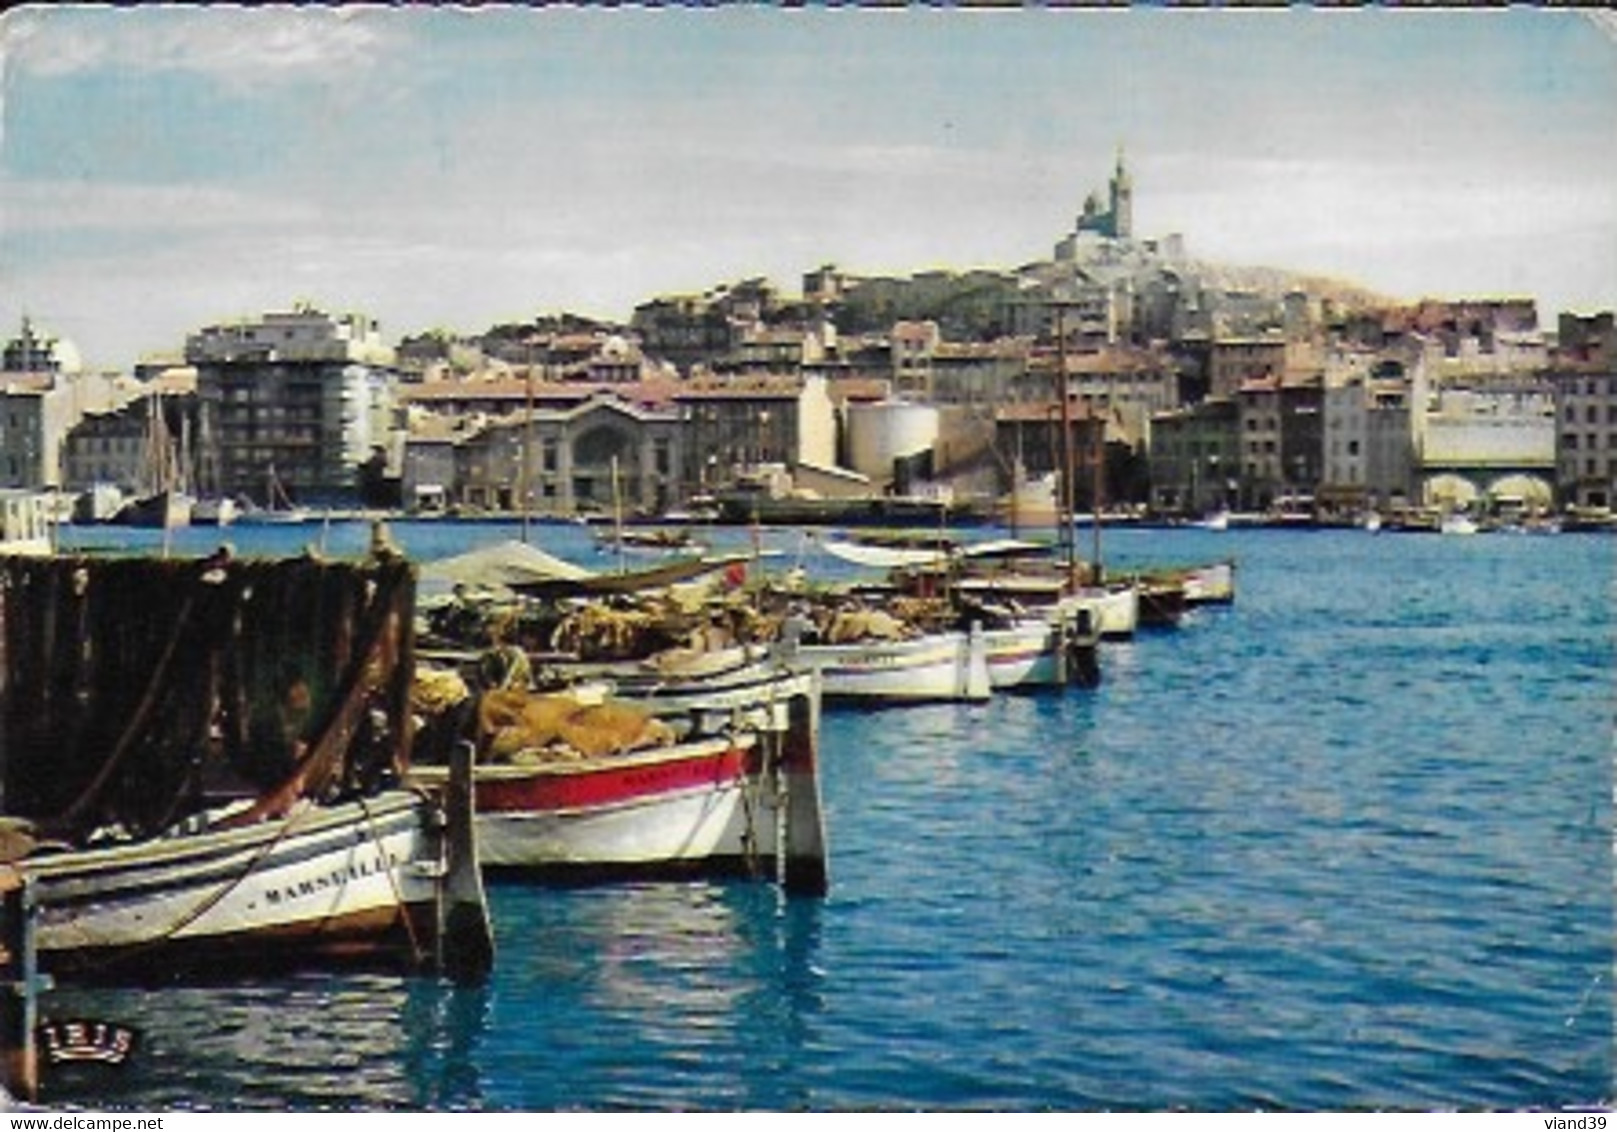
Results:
<point x="278" y="506"/>
<point x="219" y="511"/>
<point x="163" y="502"/>
<point x="99" y="503"/>
<point x="213" y="508"/>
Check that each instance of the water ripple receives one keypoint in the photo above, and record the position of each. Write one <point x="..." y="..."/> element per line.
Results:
<point x="1346" y="845"/>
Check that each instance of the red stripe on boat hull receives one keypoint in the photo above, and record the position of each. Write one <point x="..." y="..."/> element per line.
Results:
<point x="576" y="788"/>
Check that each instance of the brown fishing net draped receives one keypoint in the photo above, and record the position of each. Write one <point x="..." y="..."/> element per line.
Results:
<point x="135" y="691"/>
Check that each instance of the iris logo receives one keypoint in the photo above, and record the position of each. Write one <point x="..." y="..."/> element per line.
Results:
<point x="82" y="1039"/>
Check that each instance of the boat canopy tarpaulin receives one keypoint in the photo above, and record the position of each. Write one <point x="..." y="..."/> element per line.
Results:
<point x="135" y="690"/>
<point x="1007" y="548"/>
<point x="502" y="565"/>
<point x="885" y="557"/>
<point x="892" y="557"/>
<point x="655" y="577"/>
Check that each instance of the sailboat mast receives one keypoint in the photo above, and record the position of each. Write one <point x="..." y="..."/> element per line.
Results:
<point x="1068" y="495"/>
<point x="1099" y="423"/>
<point x="617" y="515"/>
<point x="185" y="479"/>
<point x="152" y="458"/>
<point x="163" y="473"/>
<point x="527" y="451"/>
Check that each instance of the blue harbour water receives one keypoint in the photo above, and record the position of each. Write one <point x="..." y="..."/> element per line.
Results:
<point x="1346" y="844"/>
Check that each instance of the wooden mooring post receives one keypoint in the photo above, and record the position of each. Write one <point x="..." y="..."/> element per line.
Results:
<point x="465" y="935"/>
<point x="20" y="984"/>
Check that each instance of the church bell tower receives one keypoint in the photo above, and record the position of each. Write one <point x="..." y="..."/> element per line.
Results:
<point x="1122" y="200"/>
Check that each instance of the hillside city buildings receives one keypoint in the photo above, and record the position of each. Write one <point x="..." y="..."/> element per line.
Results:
<point x="1185" y="387"/>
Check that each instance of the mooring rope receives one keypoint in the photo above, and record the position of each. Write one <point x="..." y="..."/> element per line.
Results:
<point x="209" y="902"/>
<point x="417" y="951"/>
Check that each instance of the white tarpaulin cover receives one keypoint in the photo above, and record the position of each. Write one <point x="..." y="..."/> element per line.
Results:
<point x="501" y="566"/>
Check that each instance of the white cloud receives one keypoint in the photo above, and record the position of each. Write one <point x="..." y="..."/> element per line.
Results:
<point x="54" y="206"/>
<point x="241" y="48"/>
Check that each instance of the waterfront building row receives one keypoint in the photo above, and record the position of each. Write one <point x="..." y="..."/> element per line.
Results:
<point x="319" y="403"/>
<point x="1129" y="327"/>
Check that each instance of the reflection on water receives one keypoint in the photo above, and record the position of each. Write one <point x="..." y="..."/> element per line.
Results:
<point x="445" y="1025"/>
<point x="668" y="995"/>
<point x="663" y="995"/>
<point x="314" y="1041"/>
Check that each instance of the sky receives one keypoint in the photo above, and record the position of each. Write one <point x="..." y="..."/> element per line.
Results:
<point x="163" y="169"/>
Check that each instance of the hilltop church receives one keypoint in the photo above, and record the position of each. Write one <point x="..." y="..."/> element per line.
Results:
<point x="1116" y="222"/>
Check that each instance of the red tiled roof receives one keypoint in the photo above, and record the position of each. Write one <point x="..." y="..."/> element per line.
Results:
<point x="1042" y="411"/>
<point x="517" y="389"/>
<point x="859" y="389"/>
<point x="761" y="387"/>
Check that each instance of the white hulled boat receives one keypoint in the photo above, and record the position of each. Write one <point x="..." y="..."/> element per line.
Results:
<point x="356" y="882"/>
<point x="739" y="793"/>
<point x="946" y="666"/>
<point x="1029" y="653"/>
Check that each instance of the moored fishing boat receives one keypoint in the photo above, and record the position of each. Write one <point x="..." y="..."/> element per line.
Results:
<point x="1113" y="608"/>
<point x="1162" y="602"/>
<point x="1039" y="644"/>
<point x="278" y="507"/>
<point x="705" y="806"/>
<point x="355" y="882"/>
<point x="163" y="501"/>
<point x="214" y="511"/>
<point x="942" y="666"/>
<point x="656" y="541"/>
<point x="1212" y="584"/>
<point x="1042" y="652"/>
<point x="580" y="784"/>
<point x="1027" y="575"/>
<point x="166" y="509"/>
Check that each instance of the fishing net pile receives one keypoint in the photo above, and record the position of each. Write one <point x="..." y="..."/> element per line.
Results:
<point x="515" y="725"/>
<point x="134" y="691"/>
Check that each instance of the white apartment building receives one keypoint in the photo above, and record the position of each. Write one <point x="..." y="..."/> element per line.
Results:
<point x="299" y="399"/>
